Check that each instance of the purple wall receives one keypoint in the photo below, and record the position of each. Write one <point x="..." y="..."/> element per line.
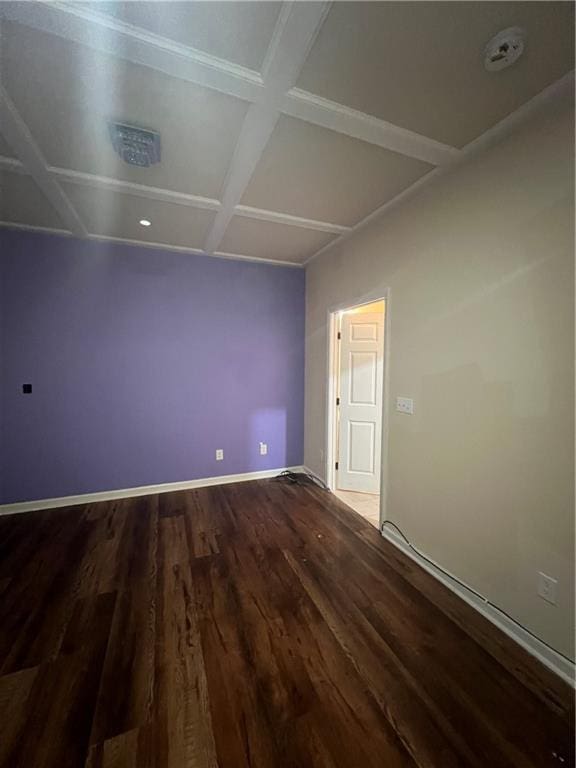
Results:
<point x="142" y="363"/>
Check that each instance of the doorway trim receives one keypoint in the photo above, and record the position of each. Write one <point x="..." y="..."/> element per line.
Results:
<point x="331" y="377"/>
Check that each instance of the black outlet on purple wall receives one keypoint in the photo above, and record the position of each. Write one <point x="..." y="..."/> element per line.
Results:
<point x="27" y="389"/>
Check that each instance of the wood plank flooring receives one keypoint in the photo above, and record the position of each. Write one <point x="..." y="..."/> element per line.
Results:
<point x="254" y="625"/>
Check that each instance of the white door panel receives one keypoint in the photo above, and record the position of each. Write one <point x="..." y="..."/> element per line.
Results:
<point x="362" y="367"/>
<point x="360" y="410"/>
<point x="360" y="446"/>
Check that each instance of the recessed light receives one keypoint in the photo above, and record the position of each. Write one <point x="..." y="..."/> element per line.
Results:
<point x="145" y="222"/>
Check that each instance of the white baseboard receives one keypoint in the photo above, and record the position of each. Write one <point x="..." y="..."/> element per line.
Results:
<point x="143" y="490"/>
<point x="554" y="661"/>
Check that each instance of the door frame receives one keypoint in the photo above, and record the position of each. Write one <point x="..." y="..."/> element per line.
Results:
<point x="332" y="374"/>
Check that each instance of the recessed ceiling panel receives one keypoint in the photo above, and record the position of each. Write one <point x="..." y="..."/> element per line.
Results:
<point x="268" y="240"/>
<point x="420" y="65"/>
<point x="67" y="94"/>
<point x="319" y="174"/>
<point x="115" y="214"/>
<point x="22" y="202"/>
<point x="237" y="31"/>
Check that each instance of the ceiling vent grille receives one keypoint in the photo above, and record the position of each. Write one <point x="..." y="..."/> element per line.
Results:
<point x="136" y="146"/>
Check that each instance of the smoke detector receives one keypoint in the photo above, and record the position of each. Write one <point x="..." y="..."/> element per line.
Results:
<point x="136" y="146"/>
<point x="504" y="49"/>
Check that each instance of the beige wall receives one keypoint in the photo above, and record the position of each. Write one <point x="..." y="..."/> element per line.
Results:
<point x="480" y="268"/>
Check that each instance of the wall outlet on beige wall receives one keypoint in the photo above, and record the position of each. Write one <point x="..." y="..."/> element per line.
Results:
<point x="547" y="588"/>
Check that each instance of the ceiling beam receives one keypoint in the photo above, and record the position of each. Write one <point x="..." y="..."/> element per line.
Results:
<point x="104" y="33"/>
<point x="275" y="217"/>
<point x="295" y="32"/>
<point x="130" y="188"/>
<point x="22" y="143"/>
<point x="13" y="165"/>
<point x="268" y="98"/>
<point x="240" y="257"/>
<point x="337" y="117"/>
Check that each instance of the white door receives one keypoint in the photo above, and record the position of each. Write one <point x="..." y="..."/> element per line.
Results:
<point x="360" y="402"/>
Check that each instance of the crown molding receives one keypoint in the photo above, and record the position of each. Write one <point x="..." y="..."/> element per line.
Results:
<point x="34" y="228"/>
<point x="274" y="262"/>
<point x="144" y="244"/>
<point x="559" y="91"/>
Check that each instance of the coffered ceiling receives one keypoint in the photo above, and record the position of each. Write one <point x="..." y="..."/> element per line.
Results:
<point x="283" y="125"/>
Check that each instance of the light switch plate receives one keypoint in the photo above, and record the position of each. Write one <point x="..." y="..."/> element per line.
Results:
<point x="405" y="405"/>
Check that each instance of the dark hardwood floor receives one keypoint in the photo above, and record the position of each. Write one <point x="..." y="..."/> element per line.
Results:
<point x="251" y="625"/>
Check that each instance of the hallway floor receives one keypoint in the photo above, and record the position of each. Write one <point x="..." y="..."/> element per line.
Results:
<point x="366" y="504"/>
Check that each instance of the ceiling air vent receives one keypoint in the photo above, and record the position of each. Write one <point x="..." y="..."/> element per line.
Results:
<point x="136" y="146"/>
<point x="504" y="49"/>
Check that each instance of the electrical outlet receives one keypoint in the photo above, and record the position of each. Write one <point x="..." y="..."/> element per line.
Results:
<point x="405" y="405"/>
<point x="547" y="588"/>
<point x="263" y="449"/>
<point x="219" y="454"/>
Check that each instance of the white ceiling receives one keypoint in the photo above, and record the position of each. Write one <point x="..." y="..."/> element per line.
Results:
<point x="82" y="89"/>
<point x="235" y="31"/>
<point x="419" y="65"/>
<point x="283" y="125"/>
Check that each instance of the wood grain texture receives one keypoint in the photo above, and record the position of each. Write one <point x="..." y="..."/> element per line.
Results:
<point x="254" y="625"/>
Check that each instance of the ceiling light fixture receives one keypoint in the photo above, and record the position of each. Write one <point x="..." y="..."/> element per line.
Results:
<point x="145" y="222"/>
<point x="504" y="49"/>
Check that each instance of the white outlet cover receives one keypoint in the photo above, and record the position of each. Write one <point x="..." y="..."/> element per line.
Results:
<point x="263" y="449"/>
<point x="405" y="405"/>
<point x="548" y="588"/>
<point x="219" y="454"/>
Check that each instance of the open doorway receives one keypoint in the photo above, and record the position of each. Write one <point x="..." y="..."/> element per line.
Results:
<point x="357" y="407"/>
